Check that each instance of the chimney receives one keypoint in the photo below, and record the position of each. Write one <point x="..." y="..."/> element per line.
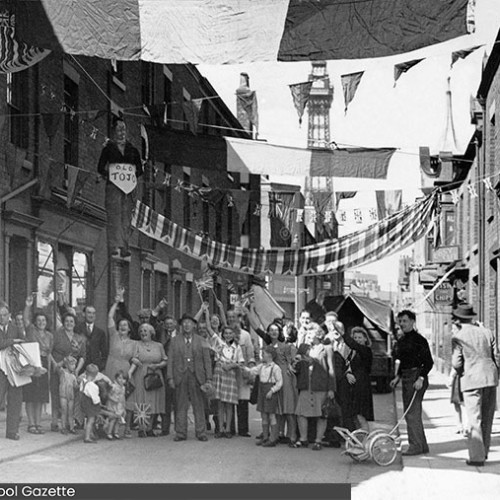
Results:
<point x="246" y="105"/>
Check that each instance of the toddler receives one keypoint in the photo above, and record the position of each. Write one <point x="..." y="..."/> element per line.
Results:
<point x="67" y="386"/>
<point x="116" y="406"/>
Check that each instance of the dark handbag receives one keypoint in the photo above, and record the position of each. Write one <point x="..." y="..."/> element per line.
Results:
<point x="152" y="380"/>
<point x="129" y="389"/>
<point x="330" y="409"/>
<point x="254" y="395"/>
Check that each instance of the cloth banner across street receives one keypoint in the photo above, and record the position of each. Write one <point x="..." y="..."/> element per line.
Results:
<point x="362" y="247"/>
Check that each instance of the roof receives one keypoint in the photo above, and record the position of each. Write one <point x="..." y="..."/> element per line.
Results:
<point x="490" y="69"/>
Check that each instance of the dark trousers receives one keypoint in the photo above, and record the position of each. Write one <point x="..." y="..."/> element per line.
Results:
<point x="480" y="408"/>
<point x="188" y="391"/>
<point x="169" y="406"/>
<point x="14" y="398"/>
<point x="119" y="211"/>
<point x="414" y="424"/>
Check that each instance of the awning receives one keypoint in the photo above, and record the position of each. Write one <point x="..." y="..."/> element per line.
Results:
<point x="237" y="31"/>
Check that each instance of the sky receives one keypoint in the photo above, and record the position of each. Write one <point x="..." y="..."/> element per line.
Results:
<point x="406" y="116"/>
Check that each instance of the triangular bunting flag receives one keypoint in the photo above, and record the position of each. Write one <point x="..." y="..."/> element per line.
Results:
<point x="401" y="68"/>
<point x="350" y="84"/>
<point x="76" y="180"/>
<point x="241" y="200"/>
<point x="192" y="112"/>
<point x="300" y="95"/>
<point x="343" y="195"/>
<point x="462" y="54"/>
<point x="51" y="124"/>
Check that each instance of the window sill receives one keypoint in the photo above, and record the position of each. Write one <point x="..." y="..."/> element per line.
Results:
<point x="119" y="83"/>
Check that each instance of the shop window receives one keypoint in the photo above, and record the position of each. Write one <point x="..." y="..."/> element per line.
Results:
<point x="161" y="286"/>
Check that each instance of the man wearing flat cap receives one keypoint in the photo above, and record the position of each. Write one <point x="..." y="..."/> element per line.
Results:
<point x="475" y="357"/>
<point x="188" y="369"/>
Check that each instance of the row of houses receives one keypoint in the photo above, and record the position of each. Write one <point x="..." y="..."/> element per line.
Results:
<point x="57" y="115"/>
<point x="460" y="258"/>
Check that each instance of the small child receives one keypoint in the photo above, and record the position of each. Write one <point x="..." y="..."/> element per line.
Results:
<point x="90" y="400"/>
<point x="116" y="406"/>
<point x="67" y="387"/>
<point x="270" y="383"/>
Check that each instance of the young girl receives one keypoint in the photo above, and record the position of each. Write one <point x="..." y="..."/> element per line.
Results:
<point x="90" y="400"/>
<point x="228" y="358"/>
<point x="67" y="387"/>
<point x="270" y="383"/>
<point x="116" y="406"/>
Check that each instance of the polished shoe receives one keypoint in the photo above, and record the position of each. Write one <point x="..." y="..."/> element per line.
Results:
<point x="269" y="444"/>
<point x="203" y="438"/>
<point x="14" y="437"/>
<point x="179" y="438"/>
<point x="474" y="464"/>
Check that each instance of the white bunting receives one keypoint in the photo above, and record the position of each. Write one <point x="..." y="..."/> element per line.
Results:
<point x="472" y="191"/>
<point x="328" y="216"/>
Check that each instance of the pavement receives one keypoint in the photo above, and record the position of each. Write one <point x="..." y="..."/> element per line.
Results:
<point x="442" y="474"/>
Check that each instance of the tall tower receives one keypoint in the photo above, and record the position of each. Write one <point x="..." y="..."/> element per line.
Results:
<point x="318" y="106"/>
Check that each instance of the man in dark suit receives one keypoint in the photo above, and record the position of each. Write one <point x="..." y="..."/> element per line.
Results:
<point x="97" y="340"/>
<point x="188" y="369"/>
<point x="9" y="335"/>
<point x="475" y="356"/>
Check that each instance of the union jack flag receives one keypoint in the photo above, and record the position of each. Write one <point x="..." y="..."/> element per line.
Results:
<point x="205" y="283"/>
<point x="248" y="298"/>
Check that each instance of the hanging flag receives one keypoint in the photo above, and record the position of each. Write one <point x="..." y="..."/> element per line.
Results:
<point x="241" y="200"/>
<point x="372" y="213"/>
<point x="280" y="214"/>
<point x="401" y="68"/>
<point x="77" y="177"/>
<point x="192" y="111"/>
<point x="264" y="305"/>
<point x="247" y="109"/>
<point x="350" y="84"/>
<point x="472" y="191"/>
<point x="231" y="288"/>
<point x="462" y="54"/>
<point x="358" y="216"/>
<point x="343" y="195"/>
<point x="430" y="165"/>
<point x="328" y="216"/>
<point x="300" y="215"/>
<point x="388" y="202"/>
<point x="488" y="184"/>
<point x="454" y="196"/>
<point x="248" y="298"/>
<point x="225" y="32"/>
<point x="167" y="180"/>
<point x="14" y="54"/>
<point x="51" y="124"/>
<point x="300" y="95"/>
<point x="342" y="217"/>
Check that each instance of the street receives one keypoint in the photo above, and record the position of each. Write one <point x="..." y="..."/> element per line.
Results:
<point x="160" y="459"/>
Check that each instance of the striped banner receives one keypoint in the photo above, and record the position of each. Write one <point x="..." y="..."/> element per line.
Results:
<point x="362" y="247"/>
<point x="14" y="55"/>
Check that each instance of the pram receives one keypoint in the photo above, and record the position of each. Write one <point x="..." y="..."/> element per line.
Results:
<point x="379" y="445"/>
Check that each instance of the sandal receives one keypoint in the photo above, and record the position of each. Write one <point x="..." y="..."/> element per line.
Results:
<point x="32" y="429"/>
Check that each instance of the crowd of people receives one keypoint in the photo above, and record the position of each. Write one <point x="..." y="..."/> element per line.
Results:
<point x="304" y="380"/>
<point x="139" y="374"/>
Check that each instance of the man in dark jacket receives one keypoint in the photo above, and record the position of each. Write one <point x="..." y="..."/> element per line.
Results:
<point x="413" y="351"/>
<point x="97" y="340"/>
